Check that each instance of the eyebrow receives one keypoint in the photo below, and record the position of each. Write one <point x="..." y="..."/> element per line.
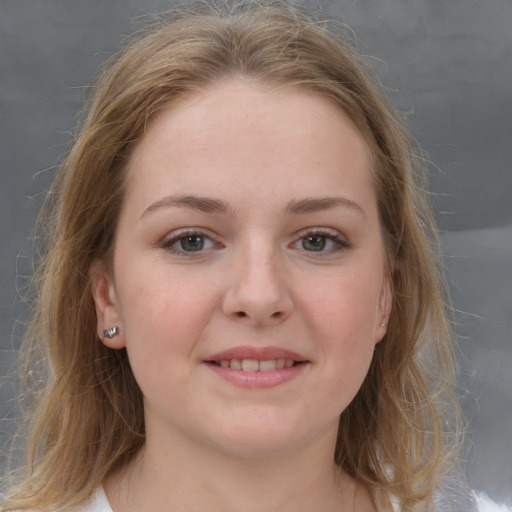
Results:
<point x="202" y="204"/>
<point x="314" y="204"/>
<point x="210" y="205"/>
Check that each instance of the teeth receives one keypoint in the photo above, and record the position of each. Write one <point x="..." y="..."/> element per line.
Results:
<point x="268" y="365"/>
<point x="253" y="365"/>
<point x="236" y="364"/>
<point x="250" y="365"/>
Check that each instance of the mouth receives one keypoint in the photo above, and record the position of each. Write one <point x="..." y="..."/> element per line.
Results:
<point x="261" y="367"/>
<point x="255" y="365"/>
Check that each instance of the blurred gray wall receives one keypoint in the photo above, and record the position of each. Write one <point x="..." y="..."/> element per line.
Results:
<point x="447" y="66"/>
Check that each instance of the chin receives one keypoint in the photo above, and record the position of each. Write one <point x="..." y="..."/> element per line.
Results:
<point x="266" y="437"/>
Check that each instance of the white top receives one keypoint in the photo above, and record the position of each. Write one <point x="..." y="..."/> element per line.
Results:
<point x="99" y="503"/>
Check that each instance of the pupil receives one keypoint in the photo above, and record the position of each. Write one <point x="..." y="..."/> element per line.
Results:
<point x="314" y="243"/>
<point x="192" y="243"/>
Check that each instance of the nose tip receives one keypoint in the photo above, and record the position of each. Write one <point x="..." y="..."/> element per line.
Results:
<point x="258" y="294"/>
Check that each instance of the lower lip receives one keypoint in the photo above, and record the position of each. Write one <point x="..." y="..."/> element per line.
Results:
<point x="258" y="379"/>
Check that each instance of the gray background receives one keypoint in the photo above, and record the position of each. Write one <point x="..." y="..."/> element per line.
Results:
<point x="446" y="64"/>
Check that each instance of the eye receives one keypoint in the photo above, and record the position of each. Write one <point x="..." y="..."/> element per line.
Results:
<point x="192" y="243"/>
<point x="323" y="242"/>
<point x="186" y="242"/>
<point x="314" y="243"/>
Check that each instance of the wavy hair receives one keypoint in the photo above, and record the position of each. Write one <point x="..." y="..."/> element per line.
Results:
<point x="85" y="415"/>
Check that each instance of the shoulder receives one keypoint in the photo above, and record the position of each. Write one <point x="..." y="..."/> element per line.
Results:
<point x="468" y="501"/>
<point x="485" y="504"/>
<point x="97" y="503"/>
<point x="458" y="497"/>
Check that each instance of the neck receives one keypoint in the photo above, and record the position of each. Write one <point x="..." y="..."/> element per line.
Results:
<point x="204" y="478"/>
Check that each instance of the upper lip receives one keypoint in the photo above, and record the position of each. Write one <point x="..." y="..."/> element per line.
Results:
<point x="258" y="353"/>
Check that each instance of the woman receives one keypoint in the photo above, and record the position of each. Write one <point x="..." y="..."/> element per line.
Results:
<point x="238" y="306"/>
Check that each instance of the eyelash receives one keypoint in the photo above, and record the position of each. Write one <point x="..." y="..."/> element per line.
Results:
<point x="340" y="244"/>
<point x="169" y="243"/>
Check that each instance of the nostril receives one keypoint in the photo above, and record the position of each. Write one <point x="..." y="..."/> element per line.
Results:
<point x="277" y="314"/>
<point x="241" y="314"/>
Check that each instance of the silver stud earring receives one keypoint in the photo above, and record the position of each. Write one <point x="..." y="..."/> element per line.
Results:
<point x="110" y="333"/>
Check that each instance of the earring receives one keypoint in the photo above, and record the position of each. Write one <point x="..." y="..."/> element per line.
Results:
<point x="110" y="333"/>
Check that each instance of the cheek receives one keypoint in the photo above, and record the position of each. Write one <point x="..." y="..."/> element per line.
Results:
<point x="164" y="321"/>
<point x="344" y="305"/>
<point x="166" y="310"/>
<point x="342" y="315"/>
<point x="346" y="323"/>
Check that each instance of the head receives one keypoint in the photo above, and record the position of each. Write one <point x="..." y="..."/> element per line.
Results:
<point x="268" y="46"/>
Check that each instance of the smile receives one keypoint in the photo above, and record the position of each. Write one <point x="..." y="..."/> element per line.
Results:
<point x="254" y="365"/>
<point x="262" y="367"/>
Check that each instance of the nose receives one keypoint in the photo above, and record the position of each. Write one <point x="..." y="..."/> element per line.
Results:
<point x="257" y="292"/>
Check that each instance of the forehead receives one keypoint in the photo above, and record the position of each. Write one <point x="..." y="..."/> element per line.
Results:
<point x="235" y="103"/>
<point x="238" y="133"/>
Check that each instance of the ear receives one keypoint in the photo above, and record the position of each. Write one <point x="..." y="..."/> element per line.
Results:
<point x="105" y="300"/>
<point x="384" y="308"/>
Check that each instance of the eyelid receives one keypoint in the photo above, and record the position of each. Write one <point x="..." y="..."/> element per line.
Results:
<point x="168" y="241"/>
<point x="341" y="241"/>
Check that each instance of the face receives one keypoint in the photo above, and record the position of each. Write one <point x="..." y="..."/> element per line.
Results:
<point x="248" y="276"/>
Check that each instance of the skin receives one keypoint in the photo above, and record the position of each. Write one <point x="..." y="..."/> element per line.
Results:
<point x="263" y="155"/>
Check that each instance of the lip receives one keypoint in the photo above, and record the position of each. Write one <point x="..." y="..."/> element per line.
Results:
<point x="257" y="379"/>
<point x="260" y="353"/>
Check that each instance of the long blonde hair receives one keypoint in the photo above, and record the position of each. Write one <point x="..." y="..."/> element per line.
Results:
<point x="86" y="416"/>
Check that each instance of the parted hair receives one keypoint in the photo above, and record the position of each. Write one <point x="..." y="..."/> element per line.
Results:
<point x="84" y="408"/>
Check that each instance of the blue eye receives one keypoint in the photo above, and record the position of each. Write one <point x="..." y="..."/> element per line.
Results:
<point x="192" y="243"/>
<point x="188" y="242"/>
<point x="321" y="242"/>
<point x="314" y="243"/>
